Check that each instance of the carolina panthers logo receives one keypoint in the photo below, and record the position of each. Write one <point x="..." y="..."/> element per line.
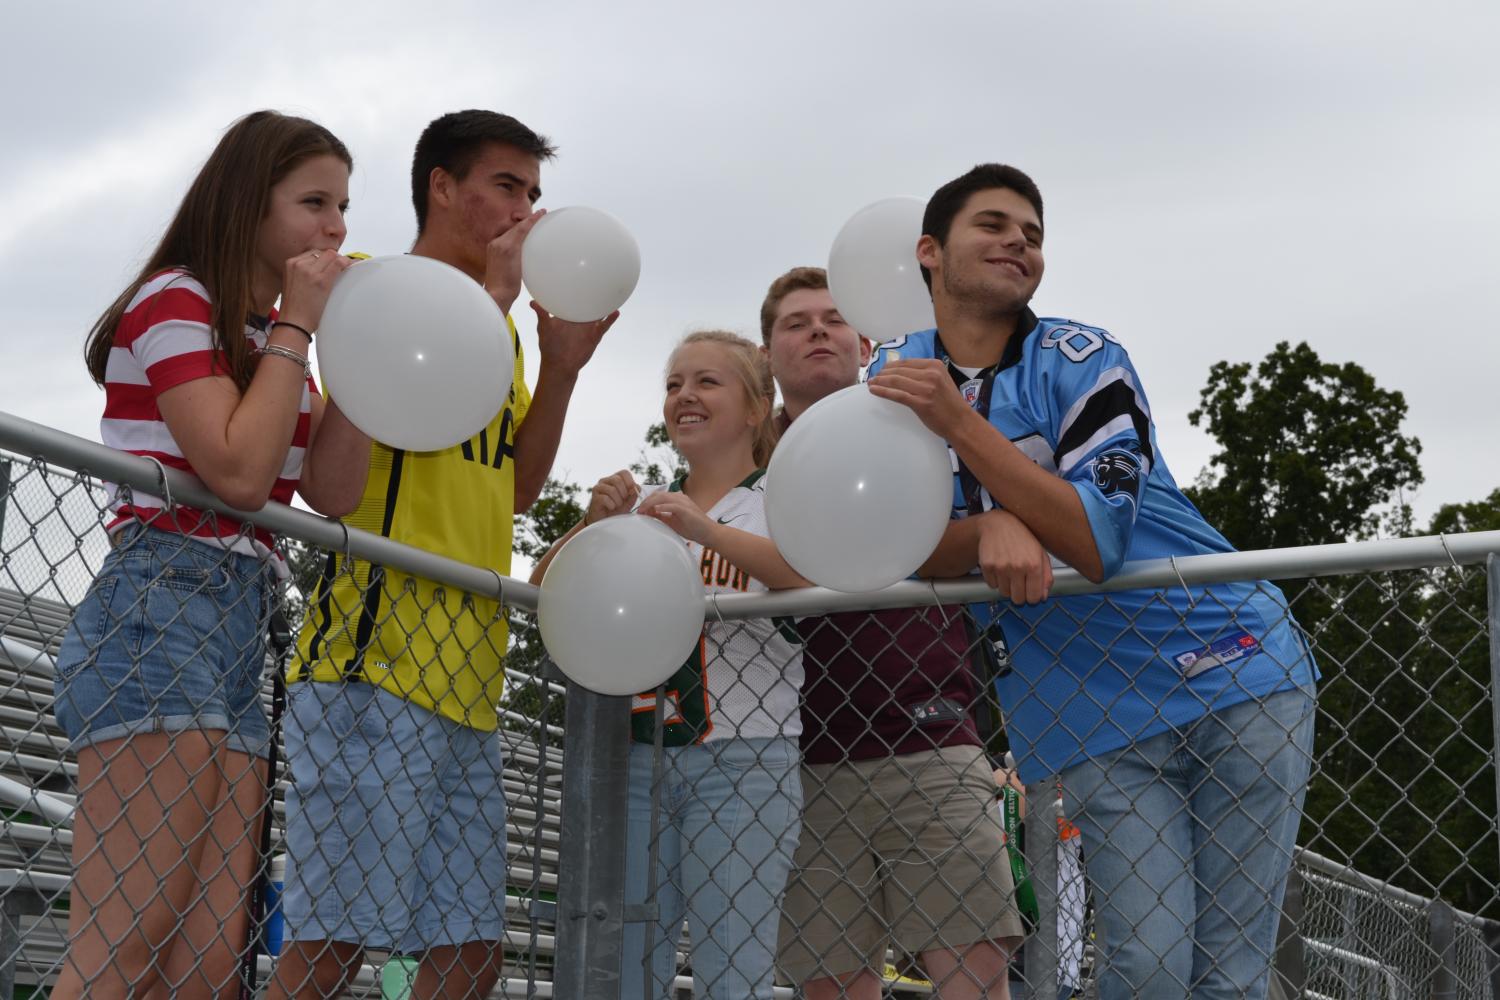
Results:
<point x="1118" y="470"/>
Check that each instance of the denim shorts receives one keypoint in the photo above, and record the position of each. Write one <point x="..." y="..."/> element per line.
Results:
<point x="395" y="822"/>
<point x="171" y="636"/>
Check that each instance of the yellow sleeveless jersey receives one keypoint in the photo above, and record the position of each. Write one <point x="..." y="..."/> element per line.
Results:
<point x="440" y="648"/>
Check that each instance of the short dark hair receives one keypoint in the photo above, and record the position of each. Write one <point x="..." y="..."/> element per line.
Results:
<point x="795" y="280"/>
<point x="946" y="202"/>
<point x="457" y="139"/>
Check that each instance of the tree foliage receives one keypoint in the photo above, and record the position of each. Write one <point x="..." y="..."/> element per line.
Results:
<point x="1309" y="452"/>
<point x="556" y="510"/>
<point x="1403" y="786"/>
<point x="659" y="460"/>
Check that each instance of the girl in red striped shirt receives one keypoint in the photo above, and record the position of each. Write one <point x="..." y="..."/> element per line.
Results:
<point x="158" y="678"/>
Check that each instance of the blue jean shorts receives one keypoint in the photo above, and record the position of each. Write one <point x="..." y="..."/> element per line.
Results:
<point x="171" y="636"/>
<point x="395" y="822"/>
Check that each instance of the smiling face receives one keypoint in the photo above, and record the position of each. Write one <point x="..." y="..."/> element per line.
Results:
<point x="992" y="260"/>
<point x="707" y="408"/>
<point x="813" y="351"/>
<point x="305" y="212"/>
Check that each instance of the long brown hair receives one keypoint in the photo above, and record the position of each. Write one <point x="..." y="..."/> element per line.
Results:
<point x="754" y="373"/>
<point x="213" y="235"/>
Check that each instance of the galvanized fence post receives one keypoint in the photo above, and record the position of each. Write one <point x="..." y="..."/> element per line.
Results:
<point x="591" y="860"/>
<point x="1042" y="957"/>
<point x="1492" y="567"/>
<point x="1442" y="937"/>
<point x="4" y="495"/>
<point x="1289" y="969"/>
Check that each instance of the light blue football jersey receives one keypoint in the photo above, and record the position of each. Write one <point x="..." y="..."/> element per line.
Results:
<point x="1090" y="674"/>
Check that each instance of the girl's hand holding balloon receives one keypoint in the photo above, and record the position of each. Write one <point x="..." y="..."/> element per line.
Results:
<point x="612" y="495"/>
<point x="680" y="514"/>
<point x="308" y="279"/>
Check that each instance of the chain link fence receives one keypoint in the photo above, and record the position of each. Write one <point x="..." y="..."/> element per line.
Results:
<point x="833" y="816"/>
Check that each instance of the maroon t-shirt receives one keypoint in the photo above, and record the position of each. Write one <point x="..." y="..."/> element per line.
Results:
<point x="885" y="683"/>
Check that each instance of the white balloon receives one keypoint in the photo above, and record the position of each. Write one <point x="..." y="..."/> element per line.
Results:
<point x="580" y="264"/>
<point x="873" y="273"/>
<point x="621" y="605"/>
<point x="858" y="492"/>
<point x="415" y="352"/>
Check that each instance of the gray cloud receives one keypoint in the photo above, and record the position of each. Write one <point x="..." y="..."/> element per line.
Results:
<point x="1218" y="177"/>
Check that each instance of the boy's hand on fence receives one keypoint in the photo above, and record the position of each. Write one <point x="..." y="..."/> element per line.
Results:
<point x="680" y="514"/>
<point x="1012" y="560"/>
<point x="610" y="496"/>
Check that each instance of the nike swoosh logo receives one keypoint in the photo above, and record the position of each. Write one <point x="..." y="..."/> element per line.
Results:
<point x="726" y="520"/>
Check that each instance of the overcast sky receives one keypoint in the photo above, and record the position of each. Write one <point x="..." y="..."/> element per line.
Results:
<point x="1217" y="176"/>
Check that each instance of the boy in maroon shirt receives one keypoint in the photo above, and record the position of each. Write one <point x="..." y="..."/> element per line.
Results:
<point x="900" y="841"/>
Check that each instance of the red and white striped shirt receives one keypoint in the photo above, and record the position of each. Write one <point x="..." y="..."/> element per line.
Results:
<point x="165" y="339"/>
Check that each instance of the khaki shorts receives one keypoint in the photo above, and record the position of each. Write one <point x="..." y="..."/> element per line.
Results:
<point x="906" y="849"/>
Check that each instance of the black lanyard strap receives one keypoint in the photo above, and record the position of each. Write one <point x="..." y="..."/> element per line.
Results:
<point x="969" y="484"/>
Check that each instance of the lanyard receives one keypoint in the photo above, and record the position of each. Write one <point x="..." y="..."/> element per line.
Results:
<point x="969" y="483"/>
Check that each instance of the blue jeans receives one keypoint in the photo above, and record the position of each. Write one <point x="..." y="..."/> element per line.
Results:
<point x="1187" y="840"/>
<point x="731" y="813"/>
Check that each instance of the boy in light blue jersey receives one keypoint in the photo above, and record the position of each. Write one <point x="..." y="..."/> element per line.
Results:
<point x="1180" y="721"/>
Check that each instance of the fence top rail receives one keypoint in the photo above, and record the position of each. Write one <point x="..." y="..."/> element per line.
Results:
<point x="76" y="454"/>
<point x="1342" y="873"/>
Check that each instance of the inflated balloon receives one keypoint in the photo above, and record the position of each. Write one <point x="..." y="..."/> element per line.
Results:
<point x="580" y="264"/>
<point x="621" y="605"/>
<point x="858" y="492"/>
<point x="873" y="273"/>
<point x="415" y="352"/>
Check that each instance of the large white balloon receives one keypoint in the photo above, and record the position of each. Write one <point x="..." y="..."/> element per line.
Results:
<point x="415" y="352"/>
<point x="858" y="492"/>
<point x="621" y="605"/>
<point x="580" y="264"/>
<point x="873" y="273"/>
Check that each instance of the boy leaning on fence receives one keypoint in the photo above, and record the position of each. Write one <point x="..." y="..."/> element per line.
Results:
<point x="396" y="819"/>
<point x="900" y="844"/>
<point x="1179" y="721"/>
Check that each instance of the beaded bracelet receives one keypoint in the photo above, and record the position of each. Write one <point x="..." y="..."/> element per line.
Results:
<point x="300" y="329"/>
<point x="289" y="354"/>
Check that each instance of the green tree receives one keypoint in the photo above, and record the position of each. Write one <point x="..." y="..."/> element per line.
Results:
<point x="1309" y="452"/>
<point x="1405" y="786"/>
<point x="548" y="519"/>
<point x="659" y="460"/>
<point x="1451" y="782"/>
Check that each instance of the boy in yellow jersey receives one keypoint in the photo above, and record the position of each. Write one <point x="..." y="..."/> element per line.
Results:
<point x="396" y="814"/>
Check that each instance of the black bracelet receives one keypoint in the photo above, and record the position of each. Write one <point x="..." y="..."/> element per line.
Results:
<point x="302" y="330"/>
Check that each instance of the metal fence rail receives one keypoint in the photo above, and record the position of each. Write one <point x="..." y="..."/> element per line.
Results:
<point x="1396" y="884"/>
